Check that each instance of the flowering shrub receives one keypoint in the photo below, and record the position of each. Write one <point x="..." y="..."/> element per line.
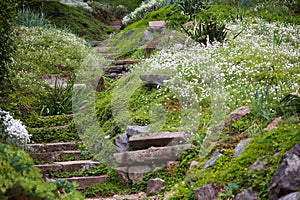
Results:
<point x="140" y="11"/>
<point x="220" y="77"/>
<point x="12" y="130"/>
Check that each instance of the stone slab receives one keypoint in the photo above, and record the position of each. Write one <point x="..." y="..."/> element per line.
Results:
<point x="51" y="147"/>
<point x="157" y="139"/>
<point x="153" y="155"/>
<point x="84" y="182"/>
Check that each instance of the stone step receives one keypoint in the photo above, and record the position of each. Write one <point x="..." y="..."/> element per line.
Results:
<point x="53" y="147"/>
<point x="115" y="69"/>
<point x="157" y="139"/>
<point x="102" y="49"/>
<point x="69" y="166"/>
<point x="152" y="155"/>
<point x="65" y="127"/>
<point x="116" y="27"/>
<point x="84" y="182"/>
<point x="109" y="55"/>
<point x="126" y="62"/>
<point x="52" y="156"/>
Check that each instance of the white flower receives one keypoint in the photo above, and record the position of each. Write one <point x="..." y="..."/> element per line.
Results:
<point x="12" y="130"/>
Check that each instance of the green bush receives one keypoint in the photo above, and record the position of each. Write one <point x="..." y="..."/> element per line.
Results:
<point x="20" y="180"/>
<point x="7" y="13"/>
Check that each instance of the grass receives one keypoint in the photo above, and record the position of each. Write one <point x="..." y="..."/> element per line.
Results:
<point x="86" y="24"/>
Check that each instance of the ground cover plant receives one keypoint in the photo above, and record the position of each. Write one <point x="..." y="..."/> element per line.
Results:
<point x="253" y="67"/>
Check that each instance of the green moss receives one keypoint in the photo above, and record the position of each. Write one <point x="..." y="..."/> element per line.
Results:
<point x="235" y="170"/>
<point x="83" y="23"/>
<point x="171" y="15"/>
<point x="52" y="134"/>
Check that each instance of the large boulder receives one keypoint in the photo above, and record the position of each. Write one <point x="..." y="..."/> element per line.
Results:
<point x="286" y="178"/>
<point x="154" y="79"/>
<point x="207" y="192"/>
<point x="291" y="196"/>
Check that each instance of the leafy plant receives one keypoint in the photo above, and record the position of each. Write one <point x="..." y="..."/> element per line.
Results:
<point x="59" y="100"/>
<point x="291" y="102"/>
<point x="206" y="31"/>
<point x="228" y="192"/>
<point x="29" y="18"/>
<point x="64" y="186"/>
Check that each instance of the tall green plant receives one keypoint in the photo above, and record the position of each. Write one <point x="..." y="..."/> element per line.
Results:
<point x="59" y="100"/>
<point x="29" y="18"/>
<point x="206" y="31"/>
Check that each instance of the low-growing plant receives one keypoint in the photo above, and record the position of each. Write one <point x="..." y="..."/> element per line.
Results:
<point x="13" y="131"/>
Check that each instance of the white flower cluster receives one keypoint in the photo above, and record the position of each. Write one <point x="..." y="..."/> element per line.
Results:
<point x="140" y="11"/>
<point x="264" y="58"/>
<point x="77" y="3"/>
<point x="12" y="130"/>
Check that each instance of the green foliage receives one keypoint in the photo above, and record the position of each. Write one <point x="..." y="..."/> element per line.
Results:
<point x="95" y="171"/>
<point x="207" y="31"/>
<point x="229" y="191"/>
<point x="228" y="170"/>
<point x="291" y="103"/>
<point x="7" y="13"/>
<point x="81" y="22"/>
<point x="130" y="4"/>
<point x="29" y="18"/>
<point x="52" y="134"/>
<point x="20" y="180"/>
<point x="59" y="100"/>
<point x="36" y="121"/>
<point x="170" y="14"/>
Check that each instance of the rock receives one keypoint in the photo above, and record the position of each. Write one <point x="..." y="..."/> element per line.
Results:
<point x="157" y="24"/>
<point x="291" y="196"/>
<point x="236" y="115"/>
<point x="274" y="123"/>
<point x="157" y="139"/>
<point x="121" y="143"/>
<point x="122" y="173"/>
<point x="238" y="150"/>
<point x="212" y="160"/>
<point x="257" y="165"/>
<point x="154" y="79"/>
<point x="286" y="178"/>
<point x="153" y="155"/>
<point x="101" y="85"/>
<point x="171" y="166"/>
<point x="246" y="195"/>
<point x="155" y="186"/>
<point x="136" y="173"/>
<point x="134" y="130"/>
<point x="207" y="192"/>
<point x="193" y="164"/>
<point x="189" y="24"/>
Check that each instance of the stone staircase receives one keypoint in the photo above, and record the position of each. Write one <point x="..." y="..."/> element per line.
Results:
<point x="69" y="158"/>
<point x="148" y="151"/>
<point x="116" y="68"/>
